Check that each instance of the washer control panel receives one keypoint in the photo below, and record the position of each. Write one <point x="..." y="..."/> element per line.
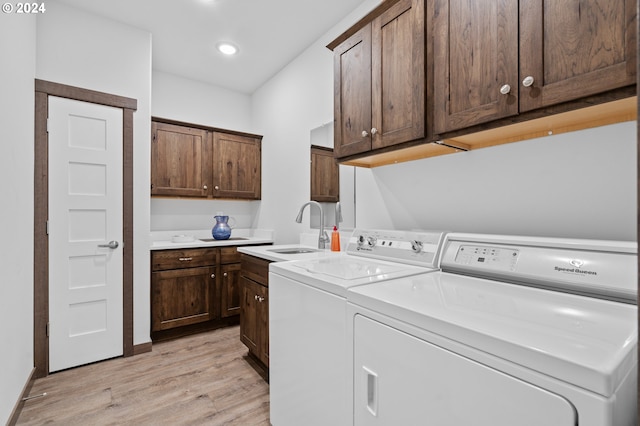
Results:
<point x="420" y="248"/>
<point x="490" y="257"/>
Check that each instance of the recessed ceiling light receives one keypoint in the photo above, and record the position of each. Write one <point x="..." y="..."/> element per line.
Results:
<point x="227" y="48"/>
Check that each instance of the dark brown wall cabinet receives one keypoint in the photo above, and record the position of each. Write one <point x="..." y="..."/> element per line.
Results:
<point x="254" y="306"/>
<point x="189" y="161"/>
<point x="193" y="286"/>
<point x="495" y="58"/>
<point x="325" y="175"/>
<point x="379" y="81"/>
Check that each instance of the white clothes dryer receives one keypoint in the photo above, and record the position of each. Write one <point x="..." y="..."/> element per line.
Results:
<point x="308" y="364"/>
<point x="512" y="331"/>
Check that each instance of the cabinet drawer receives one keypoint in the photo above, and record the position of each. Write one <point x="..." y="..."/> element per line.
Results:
<point x="184" y="258"/>
<point x="255" y="269"/>
<point x="229" y="255"/>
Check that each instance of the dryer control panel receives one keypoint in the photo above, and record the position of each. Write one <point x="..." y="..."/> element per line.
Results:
<point x="490" y="257"/>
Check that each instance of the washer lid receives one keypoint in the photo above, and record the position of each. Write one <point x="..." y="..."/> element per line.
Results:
<point x="591" y="343"/>
<point x="336" y="274"/>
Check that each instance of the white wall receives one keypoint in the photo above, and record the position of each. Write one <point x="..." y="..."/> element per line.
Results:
<point x="87" y="51"/>
<point x="182" y="99"/>
<point x="285" y="109"/>
<point x="580" y="184"/>
<point x="18" y="52"/>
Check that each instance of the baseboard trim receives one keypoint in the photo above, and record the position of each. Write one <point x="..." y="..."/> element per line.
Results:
<point x="17" y="409"/>
<point x="142" y="348"/>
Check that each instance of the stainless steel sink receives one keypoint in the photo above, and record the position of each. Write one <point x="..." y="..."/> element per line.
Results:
<point x="294" y="250"/>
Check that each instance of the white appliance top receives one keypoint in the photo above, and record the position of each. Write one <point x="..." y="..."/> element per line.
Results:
<point x="371" y="256"/>
<point x="587" y="341"/>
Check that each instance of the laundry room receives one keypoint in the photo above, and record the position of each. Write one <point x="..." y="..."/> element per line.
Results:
<point x="463" y="169"/>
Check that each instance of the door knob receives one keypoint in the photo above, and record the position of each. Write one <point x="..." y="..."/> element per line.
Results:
<point x="528" y="81"/>
<point x="505" y="89"/>
<point x="111" y="245"/>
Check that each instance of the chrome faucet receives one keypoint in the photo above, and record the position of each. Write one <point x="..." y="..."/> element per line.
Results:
<point x="323" y="237"/>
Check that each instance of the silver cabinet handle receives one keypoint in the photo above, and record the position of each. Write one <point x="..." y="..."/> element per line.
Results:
<point x="528" y="81"/>
<point x="111" y="245"/>
<point x="374" y="131"/>
<point x="505" y="89"/>
<point x="216" y="187"/>
<point x="255" y="297"/>
<point x="213" y="275"/>
<point x="224" y="275"/>
<point x="364" y="134"/>
<point x="204" y="187"/>
<point x="185" y="259"/>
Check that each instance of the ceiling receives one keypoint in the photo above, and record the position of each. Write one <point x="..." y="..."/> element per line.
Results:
<point x="268" y="33"/>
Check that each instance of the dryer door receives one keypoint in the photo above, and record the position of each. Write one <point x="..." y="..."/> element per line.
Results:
<point x="437" y="387"/>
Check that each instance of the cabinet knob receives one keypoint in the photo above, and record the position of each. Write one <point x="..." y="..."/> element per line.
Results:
<point x="224" y="275"/>
<point x="216" y="187"/>
<point x="255" y="297"/>
<point x="505" y="89"/>
<point x="185" y="259"/>
<point x="204" y="187"/>
<point x="364" y="134"/>
<point x="213" y="275"/>
<point x="528" y="81"/>
<point x="374" y="131"/>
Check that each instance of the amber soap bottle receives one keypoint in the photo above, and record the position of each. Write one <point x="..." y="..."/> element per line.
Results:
<point x="335" y="239"/>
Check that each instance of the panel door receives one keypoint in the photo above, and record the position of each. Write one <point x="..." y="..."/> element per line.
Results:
<point x="183" y="296"/>
<point x="236" y="166"/>
<point x="85" y="233"/>
<point x="476" y="60"/>
<point x="575" y="48"/>
<point x="325" y="175"/>
<point x="352" y="94"/>
<point x="401" y="380"/>
<point x="230" y="290"/>
<point x="398" y="74"/>
<point x="180" y="161"/>
<point x="249" y="332"/>
<point x="263" y="325"/>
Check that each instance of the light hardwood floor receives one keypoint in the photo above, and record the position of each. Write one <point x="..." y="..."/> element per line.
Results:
<point x="205" y="379"/>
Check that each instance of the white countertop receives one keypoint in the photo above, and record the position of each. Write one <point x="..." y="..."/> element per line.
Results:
<point x="268" y="253"/>
<point x="162" y="240"/>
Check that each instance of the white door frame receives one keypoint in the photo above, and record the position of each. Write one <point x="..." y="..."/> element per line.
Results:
<point x="43" y="89"/>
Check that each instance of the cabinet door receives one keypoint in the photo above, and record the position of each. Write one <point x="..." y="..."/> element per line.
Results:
<point x="183" y="296"/>
<point x="236" y="166"/>
<point x="476" y="58"/>
<point x="352" y="94"/>
<point x="230" y="290"/>
<point x="263" y="325"/>
<point x="325" y="175"/>
<point x="180" y="164"/>
<point x="398" y="74"/>
<point x="249" y="312"/>
<point x="575" y="48"/>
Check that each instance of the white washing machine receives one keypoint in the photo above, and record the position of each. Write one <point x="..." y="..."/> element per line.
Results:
<point x="308" y="357"/>
<point x="511" y="331"/>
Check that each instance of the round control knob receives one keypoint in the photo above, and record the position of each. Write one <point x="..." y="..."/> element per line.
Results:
<point x="505" y="89"/>
<point x="528" y="81"/>
<point x="416" y="246"/>
<point x="372" y="241"/>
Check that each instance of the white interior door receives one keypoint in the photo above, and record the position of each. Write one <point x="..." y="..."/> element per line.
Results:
<point x="85" y="233"/>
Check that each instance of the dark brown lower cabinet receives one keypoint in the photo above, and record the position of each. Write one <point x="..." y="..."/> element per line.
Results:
<point x="254" y="306"/>
<point x="194" y="290"/>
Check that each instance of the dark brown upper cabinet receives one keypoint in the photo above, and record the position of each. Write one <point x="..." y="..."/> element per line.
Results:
<point x="194" y="161"/>
<point x="496" y="58"/>
<point x="380" y="80"/>
<point x="325" y="175"/>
